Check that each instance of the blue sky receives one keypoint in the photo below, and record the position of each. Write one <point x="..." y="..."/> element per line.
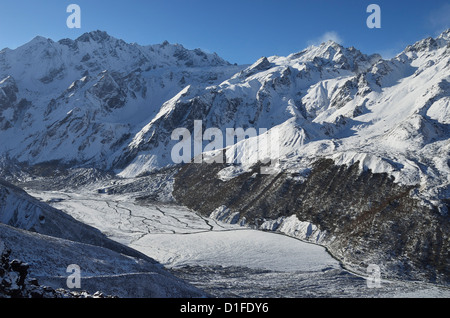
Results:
<point x="241" y="31"/>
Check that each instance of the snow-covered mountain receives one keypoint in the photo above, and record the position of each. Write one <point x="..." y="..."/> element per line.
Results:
<point x="81" y="100"/>
<point x="263" y="95"/>
<point x="389" y="116"/>
<point x="363" y="156"/>
<point x="346" y="123"/>
<point x="103" y="102"/>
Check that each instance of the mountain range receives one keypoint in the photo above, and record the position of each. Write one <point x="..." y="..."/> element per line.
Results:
<point x="100" y="102"/>
<point x="363" y="142"/>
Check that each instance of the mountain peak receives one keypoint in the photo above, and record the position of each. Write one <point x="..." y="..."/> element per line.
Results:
<point x="445" y="35"/>
<point x="96" y="36"/>
<point x="40" y="40"/>
<point x="334" y="53"/>
<point x="331" y="43"/>
<point x="37" y="41"/>
<point x="430" y="43"/>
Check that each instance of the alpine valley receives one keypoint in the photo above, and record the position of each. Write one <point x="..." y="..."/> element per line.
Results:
<point x="361" y="175"/>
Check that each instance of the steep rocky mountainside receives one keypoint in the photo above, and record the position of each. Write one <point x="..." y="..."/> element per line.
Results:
<point x="80" y="101"/>
<point x="102" y="103"/>
<point x="363" y="218"/>
<point x="362" y="165"/>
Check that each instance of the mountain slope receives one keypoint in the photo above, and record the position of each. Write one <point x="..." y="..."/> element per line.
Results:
<point x="330" y="102"/>
<point x="79" y="100"/>
<point x="49" y="240"/>
<point x="390" y="118"/>
<point x="263" y="95"/>
<point x="362" y="218"/>
<point x="364" y="165"/>
<point x="20" y="210"/>
<point x="372" y="134"/>
<point x="101" y="102"/>
<point x="101" y="268"/>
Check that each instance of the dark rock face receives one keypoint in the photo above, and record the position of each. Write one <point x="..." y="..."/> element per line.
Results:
<point x="368" y="219"/>
<point x="10" y="101"/>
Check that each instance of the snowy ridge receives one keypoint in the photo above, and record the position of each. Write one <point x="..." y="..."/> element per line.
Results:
<point x="79" y="100"/>
<point x="292" y="226"/>
<point x="100" y="101"/>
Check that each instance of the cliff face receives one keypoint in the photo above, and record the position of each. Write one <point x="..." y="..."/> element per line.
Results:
<point x="364" y="217"/>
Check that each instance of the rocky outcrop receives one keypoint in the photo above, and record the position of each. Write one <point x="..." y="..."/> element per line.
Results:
<point x="85" y="99"/>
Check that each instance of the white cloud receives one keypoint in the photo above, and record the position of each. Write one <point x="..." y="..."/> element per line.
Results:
<point x="327" y="36"/>
<point x="440" y="19"/>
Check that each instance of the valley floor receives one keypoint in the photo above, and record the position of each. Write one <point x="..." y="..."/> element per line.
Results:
<point x="222" y="259"/>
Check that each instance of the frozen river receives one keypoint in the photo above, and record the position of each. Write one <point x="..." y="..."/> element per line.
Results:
<point x="224" y="260"/>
